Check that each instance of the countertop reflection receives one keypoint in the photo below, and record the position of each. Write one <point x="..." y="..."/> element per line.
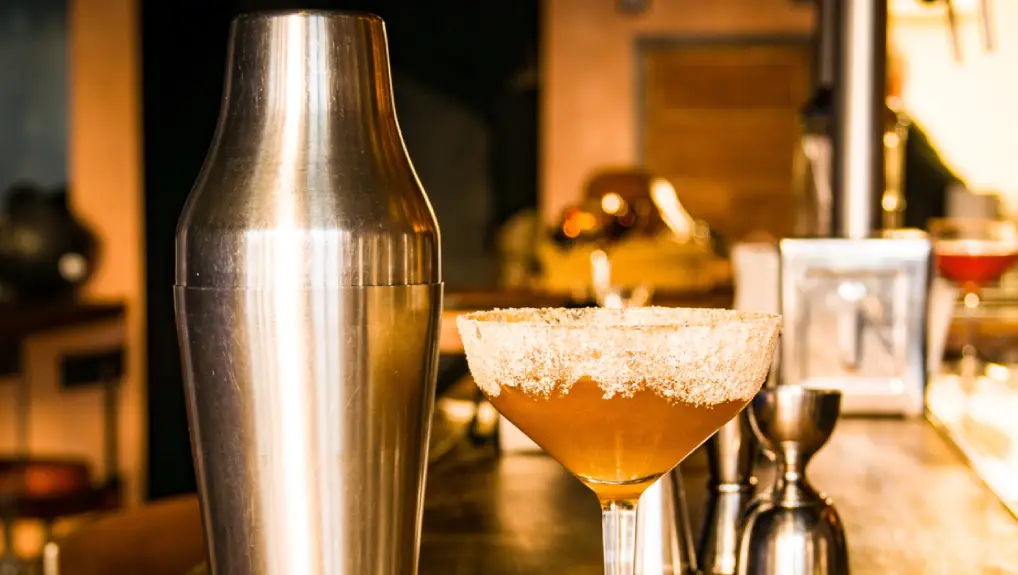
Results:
<point x="909" y="503"/>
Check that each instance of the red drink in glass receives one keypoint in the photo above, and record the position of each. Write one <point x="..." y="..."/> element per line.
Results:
<point x="973" y="262"/>
<point x="971" y="253"/>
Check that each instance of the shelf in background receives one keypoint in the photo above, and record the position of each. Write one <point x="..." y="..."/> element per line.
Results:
<point x="18" y="321"/>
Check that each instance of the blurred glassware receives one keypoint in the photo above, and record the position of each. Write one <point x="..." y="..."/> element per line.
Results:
<point x="613" y="296"/>
<point x="813" y="167"/>
<point x="46" y="251"/>
<point x="973" y="253"/>
<point x="638" y="218"/>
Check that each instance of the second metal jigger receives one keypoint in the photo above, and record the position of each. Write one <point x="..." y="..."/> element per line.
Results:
<point x="793" y="529"/>
<point x="664" y="540"/>
<point x="731" y="453"/>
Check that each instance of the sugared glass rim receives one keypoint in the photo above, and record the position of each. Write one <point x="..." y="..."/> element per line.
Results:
<point x="649" y="318"/>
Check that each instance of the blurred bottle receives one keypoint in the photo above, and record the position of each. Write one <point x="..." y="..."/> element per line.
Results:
<point x="813" y="167"/>
<point x="892" y="204"/>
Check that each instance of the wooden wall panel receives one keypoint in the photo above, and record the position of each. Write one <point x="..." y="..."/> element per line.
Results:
<point x="106" y="188"/>
<point x="589" y="72"/>
<point x="719" y="120"/>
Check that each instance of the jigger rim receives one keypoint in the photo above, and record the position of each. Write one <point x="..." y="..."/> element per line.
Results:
<point x="333" y="14"/>
<point x="802" y="390"/>
<point x="794" y="403"/>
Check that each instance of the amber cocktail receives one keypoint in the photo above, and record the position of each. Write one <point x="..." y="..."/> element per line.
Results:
<point x="619" y="396"/>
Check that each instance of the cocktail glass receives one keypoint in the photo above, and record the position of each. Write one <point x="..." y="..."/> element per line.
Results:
<point x="973" y="253"/>
<point x="619" y="396"/>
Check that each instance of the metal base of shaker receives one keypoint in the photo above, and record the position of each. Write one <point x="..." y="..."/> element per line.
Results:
<point x="310" y="411"/>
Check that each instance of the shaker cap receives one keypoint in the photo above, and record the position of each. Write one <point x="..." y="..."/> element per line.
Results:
<point x="307" y="182"/>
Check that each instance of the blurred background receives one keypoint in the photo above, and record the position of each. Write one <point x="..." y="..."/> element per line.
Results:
<point x="540" y="129"/>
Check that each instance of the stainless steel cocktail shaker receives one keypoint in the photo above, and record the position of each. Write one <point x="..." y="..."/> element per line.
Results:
<point x="308" y="293"/>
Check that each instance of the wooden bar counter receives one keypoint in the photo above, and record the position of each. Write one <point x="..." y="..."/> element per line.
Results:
<point x="910" y="505"/>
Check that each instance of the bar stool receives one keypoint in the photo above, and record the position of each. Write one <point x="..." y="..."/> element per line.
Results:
<point x="47" y="489"/>
<point x="42" y="489"/>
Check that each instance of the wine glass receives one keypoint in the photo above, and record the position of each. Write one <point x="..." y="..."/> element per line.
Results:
<point x="972" y="253"/>
<point x="619" y="397"/>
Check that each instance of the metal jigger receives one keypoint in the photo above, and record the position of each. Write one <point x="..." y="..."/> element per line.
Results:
<point x="664" y="537"/>
<point x="731" y="453"/>
<point x="308" y="305"/>
<point x="793" y="530"/>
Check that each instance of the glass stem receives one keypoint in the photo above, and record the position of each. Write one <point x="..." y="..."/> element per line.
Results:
<point x="969" y="355"/>
<point x="618" y="523"/>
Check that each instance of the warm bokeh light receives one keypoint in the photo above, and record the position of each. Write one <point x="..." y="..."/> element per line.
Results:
<point x="674" y="215"/>
<point x="570" y="228"/>
<point x="612" y="203"/>
<point x="890" y="202"/>
<point x="578" y="222"/>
